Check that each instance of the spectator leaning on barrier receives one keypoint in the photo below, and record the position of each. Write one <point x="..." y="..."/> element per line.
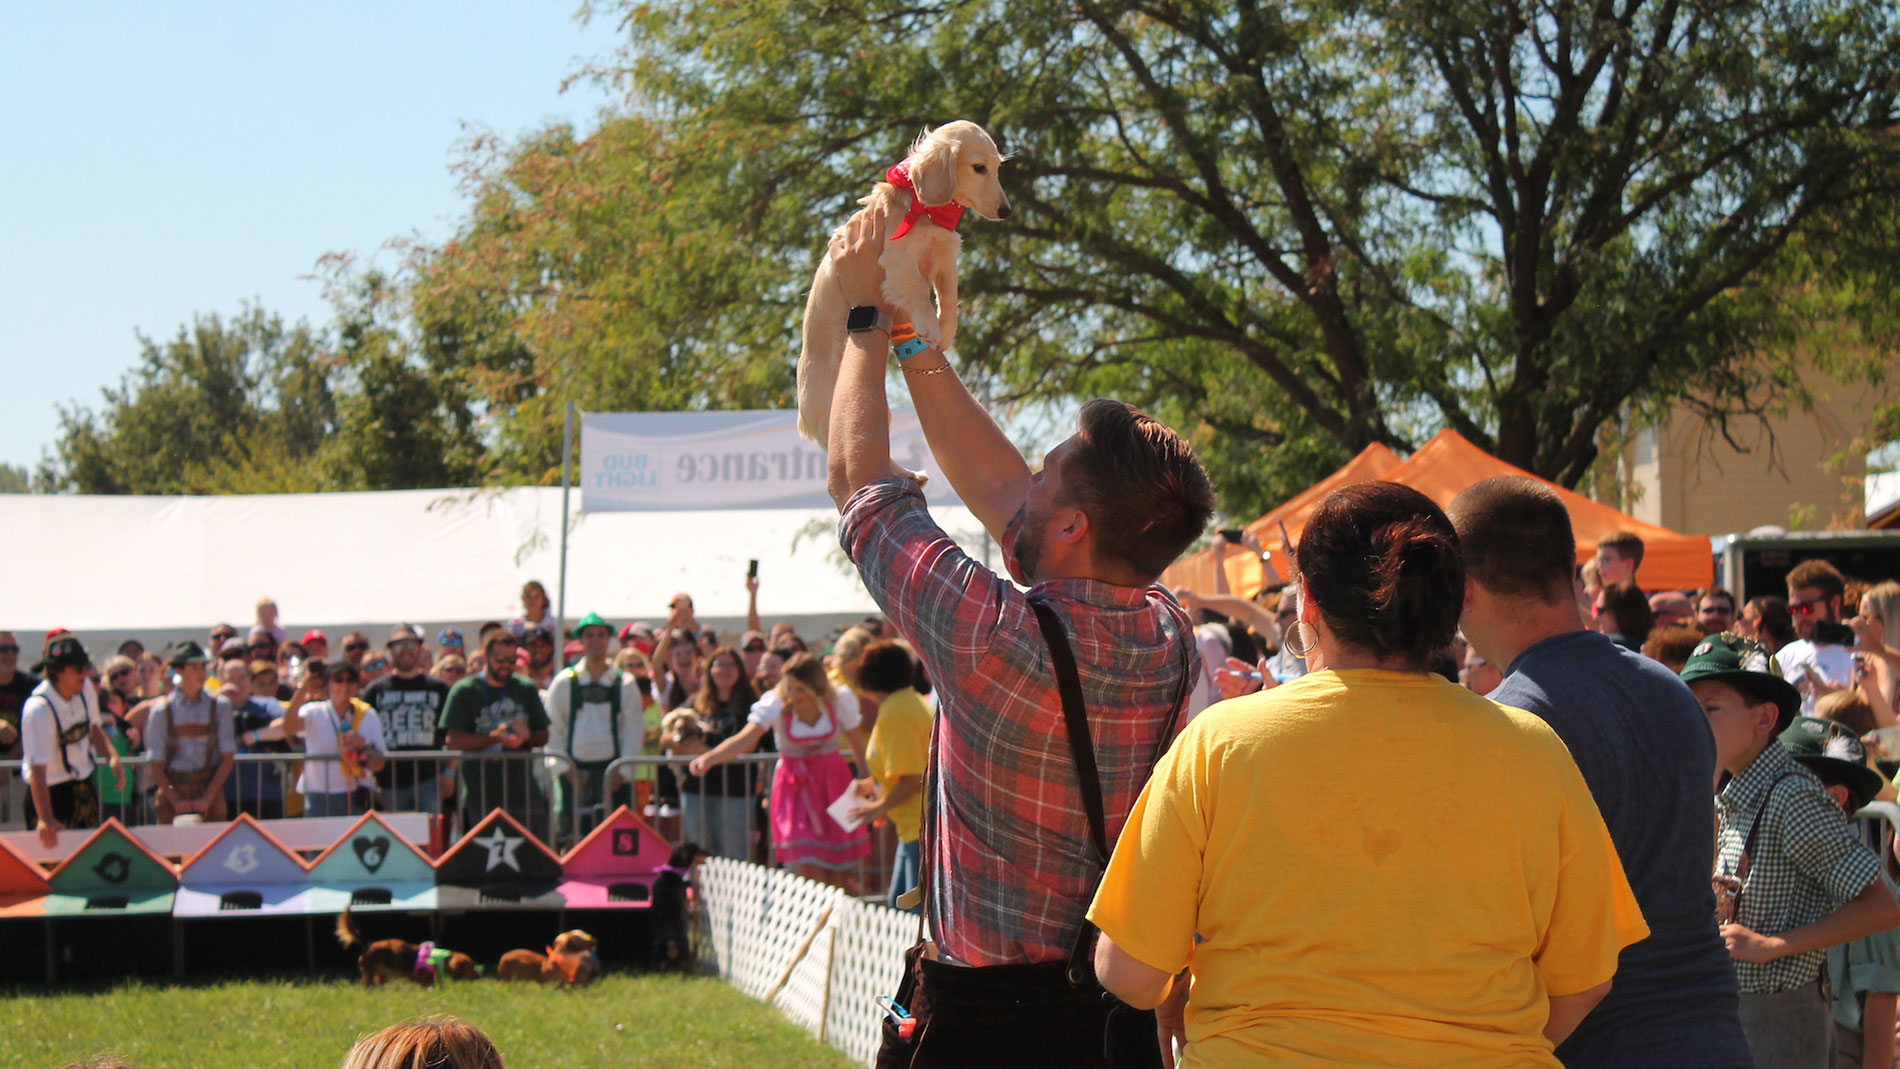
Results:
<point x="1009" y="865"/>
<point x="61" y="730"/>
<point x="494" y="712"/>
<point x="409" y="704"/>
<point x="344" y="729"/>
<point x="191" y="737"/>
<point x="596" y="715"/>
<point x="1646" y="753"/>
<point x="253" y="787"/>
<point x="1792" y="879"/>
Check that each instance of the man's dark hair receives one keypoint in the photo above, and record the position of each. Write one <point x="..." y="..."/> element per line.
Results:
<point x="1629" y="608"/>
<point x="1146" y="496"/>
<point x="1819" y="575"/>
<point x="1625" y="544"/>
<point x="886" y="667"/>
<point x="1777" y="622"/>
<point x="1382" y="563"/>
<point x="1515" y="535"/>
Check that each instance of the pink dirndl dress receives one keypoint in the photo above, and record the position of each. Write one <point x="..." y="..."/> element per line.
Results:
<point x="811" y="774"/>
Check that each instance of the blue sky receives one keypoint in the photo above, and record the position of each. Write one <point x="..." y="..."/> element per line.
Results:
<point x="166" y="159"/>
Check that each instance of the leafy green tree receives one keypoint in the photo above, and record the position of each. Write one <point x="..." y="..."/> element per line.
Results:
<point x="219" y="397"/>
<point x="13" y="479"/>
<point x="1300" y="228"/>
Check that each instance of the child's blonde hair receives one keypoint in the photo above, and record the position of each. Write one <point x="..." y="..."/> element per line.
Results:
<point x="1848" y="709"/>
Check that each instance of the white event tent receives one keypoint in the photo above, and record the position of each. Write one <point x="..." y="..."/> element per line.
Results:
<point x="162" y="568"/>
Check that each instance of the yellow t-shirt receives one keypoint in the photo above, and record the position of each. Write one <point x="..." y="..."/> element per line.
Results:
<point x="1386" y="870"/>
<point x="900" y="746"/>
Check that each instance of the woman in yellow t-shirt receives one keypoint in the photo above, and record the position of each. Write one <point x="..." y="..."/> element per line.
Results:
<point x="897" y="754"/>
<point x="1368" y="865"/>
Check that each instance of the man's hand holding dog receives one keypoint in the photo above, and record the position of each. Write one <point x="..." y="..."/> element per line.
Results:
<point x="854" y="250"/>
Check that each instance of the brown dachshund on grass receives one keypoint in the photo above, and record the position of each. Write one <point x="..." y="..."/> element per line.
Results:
<point x="403" y="960"/>
<point x="570" y="960"/>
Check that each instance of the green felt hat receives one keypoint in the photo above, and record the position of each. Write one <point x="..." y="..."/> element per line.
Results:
<point x="1731" y="658"/>
<point x="1832" y="752"/>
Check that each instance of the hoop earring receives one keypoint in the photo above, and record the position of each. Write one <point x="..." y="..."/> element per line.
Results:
<point x="1304" y="649"/>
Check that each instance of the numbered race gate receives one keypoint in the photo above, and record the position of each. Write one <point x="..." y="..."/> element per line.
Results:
<point x="111" y="874"/>
<point x="372" y="868"/>
<point x="498" y="865"/>
<point x="615" y="866"/>
<point x="242" y="870"/>
<point x="23" y="887"/>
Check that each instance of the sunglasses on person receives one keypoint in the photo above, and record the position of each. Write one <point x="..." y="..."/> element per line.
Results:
<point x="352" y="647"/>
<point x="9" y="649"/>
<point x="755" y="646"/>
<point x="1807" y="608"/>
<point x="376" y="665"/>
<point x="223" y="636"/>
<point x="114" y="677"/>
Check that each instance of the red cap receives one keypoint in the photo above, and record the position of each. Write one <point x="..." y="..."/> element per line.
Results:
<point x="55" y="633"/>
<point x="313" y="635"/>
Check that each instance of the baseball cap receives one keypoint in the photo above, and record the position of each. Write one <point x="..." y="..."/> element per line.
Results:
<point x="537" y="631"/>
<point x="1830" y="751"/>
<point x="313" y="635"/>
<point x="572" y="649"/>
<point x="403" y="633"/>
<point x="448" y="636"/>
<point x="1731" y="658"/>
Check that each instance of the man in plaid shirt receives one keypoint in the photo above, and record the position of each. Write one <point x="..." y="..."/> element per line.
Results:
<point x="1008" y="865"/>
<point x="1799" y="879"/>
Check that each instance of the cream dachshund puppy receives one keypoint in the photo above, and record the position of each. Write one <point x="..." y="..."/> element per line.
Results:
<point x="949" y="169"/>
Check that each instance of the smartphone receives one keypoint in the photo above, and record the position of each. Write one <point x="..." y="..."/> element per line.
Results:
<point x="1231" y="534"/>
<point x="752" y="569"/>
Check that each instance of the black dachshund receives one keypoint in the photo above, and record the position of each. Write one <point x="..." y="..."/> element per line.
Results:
<point x="672" y="928"/>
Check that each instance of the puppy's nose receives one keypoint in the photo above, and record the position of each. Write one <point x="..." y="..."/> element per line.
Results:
<point x="1003" y="212"/>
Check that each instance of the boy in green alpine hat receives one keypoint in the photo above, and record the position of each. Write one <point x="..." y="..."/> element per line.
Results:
<point x="1791" y="877"/>
<point x="595" y="716"/>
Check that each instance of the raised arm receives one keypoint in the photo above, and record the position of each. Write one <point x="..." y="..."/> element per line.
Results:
<point x="982" y="465"/>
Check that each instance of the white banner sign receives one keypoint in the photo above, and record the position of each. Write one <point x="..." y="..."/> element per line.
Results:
<point x="665" y="461"/>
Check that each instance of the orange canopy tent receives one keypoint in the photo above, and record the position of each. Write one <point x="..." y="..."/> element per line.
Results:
<point x="1441" y="469"/>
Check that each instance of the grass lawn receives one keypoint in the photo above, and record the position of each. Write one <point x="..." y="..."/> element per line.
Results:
<point x="620" y="1020"/>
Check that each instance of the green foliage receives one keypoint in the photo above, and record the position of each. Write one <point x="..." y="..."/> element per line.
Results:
<point x="1300" y="228"/>
<point x="619" y="1020"/>
<point x="13" y="480"/>
<point x="246" y="405"/>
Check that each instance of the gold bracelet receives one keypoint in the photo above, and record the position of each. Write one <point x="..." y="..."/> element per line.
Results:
<point x="940" y="368"/>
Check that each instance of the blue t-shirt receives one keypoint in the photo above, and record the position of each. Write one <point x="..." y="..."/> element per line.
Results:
<point x="1644" y="747"/>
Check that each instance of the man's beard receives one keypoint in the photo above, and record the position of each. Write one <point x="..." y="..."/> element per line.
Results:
<point x="1029" y="550"/>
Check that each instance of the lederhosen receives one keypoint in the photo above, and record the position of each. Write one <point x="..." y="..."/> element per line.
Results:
<point x="592" y="773"/>
<point x="75" y="802"/>
<point x="191" y="785"/>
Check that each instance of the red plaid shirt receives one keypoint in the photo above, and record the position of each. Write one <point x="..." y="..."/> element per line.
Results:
<point x="1005" y="838"/>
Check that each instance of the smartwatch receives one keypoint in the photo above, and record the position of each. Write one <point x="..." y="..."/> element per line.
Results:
<point x="867" y="317"/>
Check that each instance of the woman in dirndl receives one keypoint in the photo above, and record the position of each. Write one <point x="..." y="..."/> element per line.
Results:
<point x="807" y="716"/>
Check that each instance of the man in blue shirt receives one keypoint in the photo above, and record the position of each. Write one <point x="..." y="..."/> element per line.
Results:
<point x="1647" y="754"/>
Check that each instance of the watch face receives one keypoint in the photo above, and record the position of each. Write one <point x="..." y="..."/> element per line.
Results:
<point x="863" y="317"/>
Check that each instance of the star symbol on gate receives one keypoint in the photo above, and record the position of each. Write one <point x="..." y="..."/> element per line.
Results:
<point x="501" y="849"/>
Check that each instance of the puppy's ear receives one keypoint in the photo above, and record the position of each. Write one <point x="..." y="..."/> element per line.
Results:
<point x="933" y="169"/>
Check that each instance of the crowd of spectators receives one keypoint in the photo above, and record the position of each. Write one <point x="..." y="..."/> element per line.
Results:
<point x="403" y="725"/>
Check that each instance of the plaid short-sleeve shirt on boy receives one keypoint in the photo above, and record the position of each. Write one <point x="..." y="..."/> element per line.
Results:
<point x="1806" y="863"/>
<point x="1009" y="865"/>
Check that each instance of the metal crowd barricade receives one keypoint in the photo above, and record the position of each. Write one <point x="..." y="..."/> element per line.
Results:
<point x="680" y="820"/>
<point x="265" y="786"/>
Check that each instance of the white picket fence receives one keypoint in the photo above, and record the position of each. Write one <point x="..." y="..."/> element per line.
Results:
<point x="816" y="954"/>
